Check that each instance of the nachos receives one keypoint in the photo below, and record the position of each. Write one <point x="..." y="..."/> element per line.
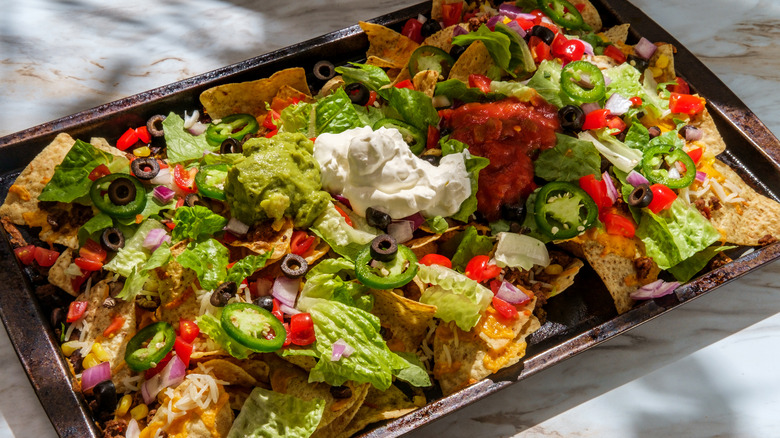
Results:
<point x="308" y="254"/>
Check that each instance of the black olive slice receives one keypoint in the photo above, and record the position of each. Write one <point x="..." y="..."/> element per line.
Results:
<point x="457" y="50"/>
<point x="112" y="239"/>
<point x="572" y="117"/>
<point x="121" y="191"/>
<point x="377" y="218"/>
<point x="154" y="125"/>
<point x="358" y="93"/>
<point x="193" y="199"/>
<point x="433" y="159"/>
<point x="429" y="28"/>
<point x="546" y="35"/>
<point x="145" y="168"/>
<point x="231" y="146"/>
<point x="223" y="293"/>
<point x="637" y="62"/>
<point x="384" y="248"/>
<point x="294" y="266"/>
<point x="105" y="396"/>
<point x="324" y="70"/>
<point x="266" y="302"/>
<point x="513" y="212"/>
<point x="641" y="196"/>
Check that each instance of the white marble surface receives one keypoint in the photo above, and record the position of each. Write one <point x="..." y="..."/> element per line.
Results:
<point x="706" y="369"/>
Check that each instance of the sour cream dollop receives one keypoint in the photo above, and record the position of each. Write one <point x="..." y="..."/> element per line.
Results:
<point x="377" y="169"/>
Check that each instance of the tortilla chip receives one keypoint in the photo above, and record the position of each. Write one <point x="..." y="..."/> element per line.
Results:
<point x="230" y="372"/>
<point x="425" y="81"/>
<point x="379" y="406"/>
<point x="254" y="365"/>
<point x="262" y="238"/>
<point x="341" y="422"/>
<point x="406" y="320"/>
<point x="667" y="68"/>
<point x="463" y="358"/>
<point x="747" y="222"/>
<point x="617" y="34"/>
<point x="565" y="279"/>
<point x="250" y="97"/>
<point x="711" y="140"/>
<point x="57" y="274"/>
<point x="475" y="60"/>
<point x="387" y="46"/>
<point x="590" y="14"/>
<point x="177" y="289"/>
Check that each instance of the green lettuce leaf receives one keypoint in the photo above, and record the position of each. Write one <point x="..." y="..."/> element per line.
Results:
<point x="675" y="234"/>
<point x="298" y="118"/>
<point x="521" y="58"/>
<point x="620" y="155"/>
<point x="520" y="251"/>
<point x="247" y="266"/>
<point x="196" y="222"/>
<point x="138" y="276"/>
<point x="270" y="414"/>
<point x="371" y="76"/>
<point x="625" y="191"/>
<point x="211" y="326"/>
<point x="334" y="279"/>
<point x="414" y="373"/>
<point x="688" y="268"/>
<point x="209" y="260"/>
<point x="457" y="89"/>
<point x="437" y="224"/>
<point x="473" y="165"/>
<point x="471" y="244"/>
<point x="180" y="144"/>
<point x="456" y="297"/>
<point x="497" y="43"/>
<point x="569" y="160"/>
<point x="133" y="254"/>
<point x="71" y="177"/>
<point x="335" y="114"/>
<point x="230" y="159"/>
<point x="92" y="228"/>
<point x="414" y="107"/>
<point x="342" y="238"/>
<point x="547" y="82"/>
<point x="514" y="89"/>
<point x="637" y="136"/>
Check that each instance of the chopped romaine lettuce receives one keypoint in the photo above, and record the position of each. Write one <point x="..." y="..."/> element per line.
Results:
<point x="335" y="114"/>
<point x="133" y="254"/>
<point x="342" y="238"/>
<point x="520" y="251"/>
<point x="414" y="107"/>
<point x="456" y="297"/>
<point x="569" y="160"/>
<point x="457" y="89"/>
<point x="371" y="76"/>
<point x="622" y="156"/>
<point x="180" y="144"/>
<point x="196" y="223"/>
<point x="271" y="414"/>
<point x="473" y="165"/>
<point x="686" y="269"/>
<point x="211" y="326"/>
<point x="71" y="177"/>
<point x="209" y="260"/>
<point x="471" y="244"/>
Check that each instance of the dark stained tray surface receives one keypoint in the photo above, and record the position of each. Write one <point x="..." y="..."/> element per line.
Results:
<point x="576" y="321"/>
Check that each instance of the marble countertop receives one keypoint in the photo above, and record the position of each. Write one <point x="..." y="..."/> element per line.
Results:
<point x="708" y="368"/>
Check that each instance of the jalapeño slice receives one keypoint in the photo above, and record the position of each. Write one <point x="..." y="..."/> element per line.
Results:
<point x="563" y="14"/>
<point x="118" y="195"/>
<point x="253" y="327"/>
<point x="430" y="58"/>
<point x="210" y="181"/>
<point x="563" y="210"/>
<point x="652" y="166"/>
<point x="236" y="126"/>
<point x="389" y="274"/>
<point x="583" y="82"/>
<point x="415" y="138"/>
<point x="149" y="346"/>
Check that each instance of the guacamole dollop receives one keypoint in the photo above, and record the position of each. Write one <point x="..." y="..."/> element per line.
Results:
<point x="277" y="178"/>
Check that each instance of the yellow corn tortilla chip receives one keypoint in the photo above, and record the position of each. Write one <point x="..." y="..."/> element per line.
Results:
<point x="230" y="372"/>
<point x="475" y="60"/>
<point x="589" y="14"/>
<point x="463" y="358"/>
<point x="378" y="406"/>
<point x="57" y="274"/>
<point x="387" y="45"/>
<point x="711" y="140"/>
<point x="617" y="34"/>
<point x="406" y="320"/>
<point x="341" y="422"/>
<point x="443" y="38"/>
<point x="251" y="97"/>
<point x="565" y="279"/>
<point x="425" y="82"/>
<point x="667" y="67"/>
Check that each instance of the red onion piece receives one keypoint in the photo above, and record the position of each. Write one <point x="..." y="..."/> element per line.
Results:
<point x="417" y="219"/>
<point x="511" y="294"/>
<point x="288" y="310"/>
<point x="285" y="290"/>
<point x="163" y="194"/>
<point x="701" y="176"/>
<point x="236" y="227"/>
<point x="92" y="376"/>
<point x="173" y="373"/>
<point x="588" y="48"/>
<point x="693" y="133"/>
<point x="611" y="189"/>
<point x="655" y="289"/>
<point x="402" y="231"/>
<point x="636" y="179"/>
<point x="197" y="128"/>
<point x="589" y="107"/>
<point x="515" y="26"/>
<point x="512" y="11"/>
<point x="150" y="389"/>
<point x="617" y="104"/>
<point x="133" y="431"/>
<point x="491" y="23"/>
<point x="343" y="200"/>
<point x="644" y="48"/>
<point x="154" y="239"/>
<point x="163" y="177"/>
<point x="341" y="349"/>
<point x="459" y="30"/>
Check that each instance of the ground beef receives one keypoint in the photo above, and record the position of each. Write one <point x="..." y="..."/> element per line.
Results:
<point x="767" y="240"/>
<point x="476" y="22"/>
<point x="150" y="415"/>
<point x="715" y="203"/>
<point x="643" y="266"/>
<point x="115" y="429"/>
<point x="719" y="260"/>
<point x="701" y="205"/>
<point x="76" y="359"/>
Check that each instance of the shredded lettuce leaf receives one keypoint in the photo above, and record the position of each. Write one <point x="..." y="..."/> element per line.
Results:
<point x="343" y="239"/>
<point x="471" y="244"/>
<point x="569" y="160"/>
<point x="547" y="82"/>
<point x="271" y="414"/>
<point x="457" y="89"/>
<point x="437" y="224"/>
<point x="133" y="254"/>
<point x="246" y="267"/>
<point x="91" y="228"/>
<point x="637" y="136"/>
<point x="520" y="251"/>
<point x="211" y="326"/>
<point x="335" y="114"/>
<point x="620" y="155"/>
<point x="196" y="222"/>
<point x="180" y="144"/>
<point x="138" y="276"/>
<point x="152" y="207"/>
<point x="371" y="76"/>
<point x="209" y="260"/>
<point x="414" y="107"/>
<point x="334" y="279"/>
<point x="456" y="297"/>
<point x="71" y="177"/>
<point x="688" y="268"/>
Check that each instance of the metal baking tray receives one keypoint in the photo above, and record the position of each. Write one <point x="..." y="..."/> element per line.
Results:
<point x="576" y="322"/>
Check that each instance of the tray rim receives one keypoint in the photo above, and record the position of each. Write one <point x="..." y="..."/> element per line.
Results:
<point x="721" y="101"/>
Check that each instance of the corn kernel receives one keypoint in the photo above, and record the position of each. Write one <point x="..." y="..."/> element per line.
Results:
<point x="124" y="405"/>
<point x="662" y="61"/>
<point x="553" y="269"/>
<point x="100" y="353"/>
<point x="69" y="347"/>
<point x="657" y="72"/>
<point x="143" y="151"/>
<point x="506" y="20"/>
<point x="139" y="412"/>
<point x="90" y="361"/>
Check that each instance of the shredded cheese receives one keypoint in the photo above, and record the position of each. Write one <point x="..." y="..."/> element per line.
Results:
<point x="447" y="356"/>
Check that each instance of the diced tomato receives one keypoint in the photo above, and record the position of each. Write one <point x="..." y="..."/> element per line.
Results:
<point x="566" y="49"/>
<point x="372" y="95"/>
<point x="680" y="87"/>
<point x="288" y="339"/>
<point x="615" y="53"/>
<point x="270" y="120"/>
<point x="88" y="264"/>
<point x="93" y="251"/>
<point x="695" y="154"/>
<point x="300" y="242"/>
<point x="636" y="101"/>
<point x="45" y="257"/>
<point x="685" y="104"/>
<point x="275" y="311"/>
<point x="433" y="137"/>
<point x="143" y="134"/>
<point x="302" y="329"/>
<point x="504" y="309"/>
<point x="99" y="172"/>
<point x="596" y="119"/>
<point x="662" y="198"/>
<point x="580" y="7"/>
<point x="116" y="323"/>
<point x="406" y="83"/>
<point x="538" y="16"/>
<point x="412" y="30"/>
<point x="171" y="225"/>
<point x="76" y="310"/>
<point x="278" y="104"/>
<point x="480" y="269"/>
<point x="271" y="133"/>
<point x="148" y="374"/>
<point x="344" y="215"/>
<point x="25" y="254"/>
<point x="76" y="282"/>
<point x="129" y="138"/>
<point x="541" y="51"/>
<point x="480" y="81"/>
<point x="436" y="259"/>
<point x="183" y="349"/>
<point x="185" y="178"/>
<point x="525" y="24"/>
<point x="597" y="190"/>
<point x="188" y="330"/>
<point x="616" y="124"/>
<point x="618" y="224"/>
<point x="451" y="12"/>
